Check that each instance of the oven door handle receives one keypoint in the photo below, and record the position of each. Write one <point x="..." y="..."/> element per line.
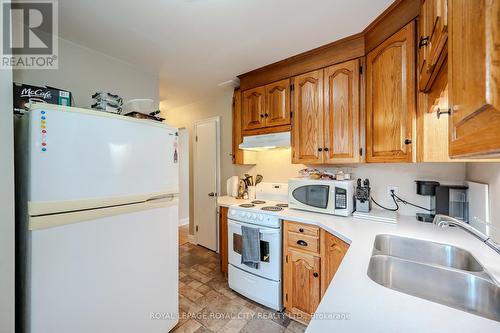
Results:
<point x="262" y="231"/>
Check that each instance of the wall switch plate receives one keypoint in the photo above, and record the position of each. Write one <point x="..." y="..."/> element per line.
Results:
<point x="389" y="193"/>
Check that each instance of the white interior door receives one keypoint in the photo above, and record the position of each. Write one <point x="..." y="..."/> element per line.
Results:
<point x="205" y="181"/>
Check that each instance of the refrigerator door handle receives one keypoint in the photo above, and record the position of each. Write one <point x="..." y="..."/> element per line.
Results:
<point x="56" y="220"/>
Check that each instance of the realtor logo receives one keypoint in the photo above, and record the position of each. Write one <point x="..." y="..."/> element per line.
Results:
<point x="29" y="35"/>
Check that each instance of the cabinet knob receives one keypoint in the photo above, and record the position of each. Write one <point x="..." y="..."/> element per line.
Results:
<point x="301" y="242"/>
<point x="407" y="142"/>
<point x="325" y="149"/>
<point x="262" y="116"/>
<point x="423" y="41"/>
<point x="320" y="149"/>
<point x="301" y="230"/>
<point x="315" y="274"/>
<point x="266" y="115"/>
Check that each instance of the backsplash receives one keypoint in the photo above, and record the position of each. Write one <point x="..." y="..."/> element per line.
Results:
<point x="275" y="166"/>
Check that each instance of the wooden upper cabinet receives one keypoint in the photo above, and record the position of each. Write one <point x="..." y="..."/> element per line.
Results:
<point x="432" y="41"/>
<point x="391" y="98"/>
<point x="307" y="120"/>
<point x="303" y="290"/>
<point x="253" y="108"/>
<point x="277" y="110"/>
<point x="341" y="117"/>
<point x="474" y="77"/>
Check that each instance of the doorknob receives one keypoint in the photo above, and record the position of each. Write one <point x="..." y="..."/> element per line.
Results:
<point x="212" y="194"/>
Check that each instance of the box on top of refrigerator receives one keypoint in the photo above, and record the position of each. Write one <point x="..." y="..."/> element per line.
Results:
<point x="25" y="93"/>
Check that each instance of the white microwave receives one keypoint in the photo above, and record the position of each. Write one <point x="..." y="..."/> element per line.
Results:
<point x="335" y="197"/>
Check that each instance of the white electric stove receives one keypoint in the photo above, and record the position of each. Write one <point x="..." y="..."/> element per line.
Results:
<point x="263" y="284"/>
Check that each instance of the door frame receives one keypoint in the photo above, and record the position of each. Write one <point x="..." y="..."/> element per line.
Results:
<point x="216" y="120"/>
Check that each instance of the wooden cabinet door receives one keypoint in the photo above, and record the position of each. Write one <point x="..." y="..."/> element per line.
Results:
<point x="302" y="282"/>
<point x="253" y="108"/>
<point x="432" y="37"/>
<point x="238" y="154"/>
<point x="307" y="120"/>
<point x="474" y="77"/>
<point x="223" y="239"/>
<point x="341" y="117"/>
<point x="333" y="251"/>
<point x="437" y="24"/>
<point x="277" y="111"/>
<point x="391" y="98"/>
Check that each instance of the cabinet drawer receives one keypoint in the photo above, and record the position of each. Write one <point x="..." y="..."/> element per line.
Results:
<point x="303" y="242"/>
<point x="304" y="229"/>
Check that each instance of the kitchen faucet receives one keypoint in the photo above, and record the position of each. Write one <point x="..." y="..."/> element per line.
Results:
<point x="445" y="221"/>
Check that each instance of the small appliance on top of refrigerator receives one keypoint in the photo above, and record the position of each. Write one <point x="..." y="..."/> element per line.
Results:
<point x="97" y="217"/>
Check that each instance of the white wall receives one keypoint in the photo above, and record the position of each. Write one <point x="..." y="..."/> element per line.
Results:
<point x="6" y="204"/>
<point x="84" y="71"/>
<point x="488" y="173"/>
<point x="276" y="166"/>
<point x="183" y="176"/>
<point x="186" y="116"/>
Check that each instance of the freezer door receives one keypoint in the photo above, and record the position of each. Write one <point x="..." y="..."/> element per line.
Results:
<point x="81" y="159"/>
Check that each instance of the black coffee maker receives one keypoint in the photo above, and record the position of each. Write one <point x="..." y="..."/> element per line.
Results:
<point x="448" y="200"/>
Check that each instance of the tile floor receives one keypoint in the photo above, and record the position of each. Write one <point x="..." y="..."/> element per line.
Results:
<point x="208" y="305"/>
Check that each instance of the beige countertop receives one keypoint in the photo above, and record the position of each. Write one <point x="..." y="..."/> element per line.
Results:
<point x="372" y="307"/>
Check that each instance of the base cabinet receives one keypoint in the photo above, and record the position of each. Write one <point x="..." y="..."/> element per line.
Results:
<point x="307" y="268"/>
<point x="223" y="239"/>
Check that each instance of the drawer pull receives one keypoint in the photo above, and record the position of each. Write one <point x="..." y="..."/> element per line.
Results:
<point x="301" y="230"/>
<point x="315" y="274"/>
<point x="301" y="242"/>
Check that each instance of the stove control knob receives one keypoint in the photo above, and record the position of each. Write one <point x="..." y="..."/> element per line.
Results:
<point x="261" y="218"/>
<point x="254" y="216"/>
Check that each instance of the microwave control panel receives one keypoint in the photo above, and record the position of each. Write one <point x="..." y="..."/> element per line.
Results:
<point x="340" y="198"/>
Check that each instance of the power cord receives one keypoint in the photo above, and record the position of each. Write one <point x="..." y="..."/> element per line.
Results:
<point x="397" y="199"/>
<point x="389" y="209"/>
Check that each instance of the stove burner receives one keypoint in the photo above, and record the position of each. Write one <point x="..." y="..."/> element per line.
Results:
<point x="247" y="205"/>
<point x="283" y="205"/>
<point x="272" y="208"/>
<point x="258" y="202"/>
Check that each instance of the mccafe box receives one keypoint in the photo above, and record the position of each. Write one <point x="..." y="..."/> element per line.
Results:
<point x="24" y="93"/>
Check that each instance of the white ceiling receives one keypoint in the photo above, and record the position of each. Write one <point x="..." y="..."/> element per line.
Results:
<point x="195" y="44"/>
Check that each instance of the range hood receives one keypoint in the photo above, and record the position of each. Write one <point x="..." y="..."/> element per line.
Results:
<point x="266" y="141"/>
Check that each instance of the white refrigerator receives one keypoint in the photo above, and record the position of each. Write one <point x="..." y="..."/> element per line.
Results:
<point x="97" y="220"/>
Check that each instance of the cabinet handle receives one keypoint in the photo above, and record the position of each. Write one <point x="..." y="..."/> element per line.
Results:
<point x="301" y="230"/>
<point x="325" y="149"/>
<point x="439" y="112"/>
<point x="262" y="116"/>
<point x="301" y="242"/>
<point x="315" y="274"/>
<point x="407" y="142"/>
<point x="320" y="149"/>
<point x="423" y="41"/>
<point x="266" y="115"/>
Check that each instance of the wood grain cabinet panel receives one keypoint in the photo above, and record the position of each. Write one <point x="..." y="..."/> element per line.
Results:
<point x="432" y="41"/>
<point x="333" y="250"/>
<point x="474" y="77"/>
<point x="277" y="111"/>
<point x="223" y="239"/>
<point x="253" y="108"/>
<point x="303" y="291"/>
<point x="307" y="125"/>
<point x="391" y="98"/>
<point x="342" y="113"/>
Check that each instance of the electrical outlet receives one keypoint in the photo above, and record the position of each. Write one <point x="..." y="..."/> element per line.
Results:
<point x="389" y="192"/>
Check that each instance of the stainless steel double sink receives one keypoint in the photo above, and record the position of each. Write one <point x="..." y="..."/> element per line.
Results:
<point x="436" y="272"/>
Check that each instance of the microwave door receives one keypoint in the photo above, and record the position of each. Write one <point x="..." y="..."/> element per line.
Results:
<point x="312" y="196"/>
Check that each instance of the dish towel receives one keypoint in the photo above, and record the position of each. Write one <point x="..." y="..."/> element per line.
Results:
<point x="250" y="247"/>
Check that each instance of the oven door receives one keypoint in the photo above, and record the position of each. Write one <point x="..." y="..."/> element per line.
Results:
<point x="312" y="197"/>
<point x="270" y="250"/>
